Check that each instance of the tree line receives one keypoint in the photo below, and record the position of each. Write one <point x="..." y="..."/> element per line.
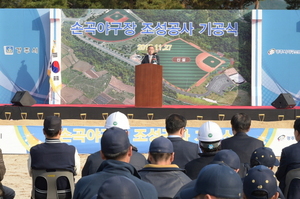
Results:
<point x="140" y="4"/>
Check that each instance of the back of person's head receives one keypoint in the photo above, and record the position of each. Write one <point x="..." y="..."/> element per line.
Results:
<point x="118" y="187"/>
<point x="263" y="156"/>
<point x="174" y="123"/>
<point x="240" y="122"/>
<point x="161" y="149"/>
<point x="114" y="143"/>
<point x="117" y="119"/>
<point x="210" y="136"/>
<point x="297" y="128"/>
<point x="297" y="125"/>
<point x="217" y="180"/>
<point x="52" y="126"/>
<point x="228" y="157"/>
<point x="260" y="183"/>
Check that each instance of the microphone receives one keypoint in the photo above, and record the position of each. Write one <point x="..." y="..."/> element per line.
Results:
<point x="154" y="61"/>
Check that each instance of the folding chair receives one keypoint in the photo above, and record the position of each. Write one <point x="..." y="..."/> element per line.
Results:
<point x="51" y="178"/>
<point x="292" y="174"/>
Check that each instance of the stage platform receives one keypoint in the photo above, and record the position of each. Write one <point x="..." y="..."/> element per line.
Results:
<point x="100" y="112"/>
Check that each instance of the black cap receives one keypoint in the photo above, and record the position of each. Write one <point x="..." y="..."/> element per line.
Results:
<point x="118" y="187"/>
<point x="229" y="157"/>
<point x="264" y="156"/>
<point x="260" y="178"/>
<point x="114" y="140"/>
<point x="52" y="124"/>
<point x="217" y="180"/>
<point x="161" y="145"/>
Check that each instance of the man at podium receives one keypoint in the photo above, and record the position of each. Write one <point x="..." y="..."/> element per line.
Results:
<point x="151" y="56"/>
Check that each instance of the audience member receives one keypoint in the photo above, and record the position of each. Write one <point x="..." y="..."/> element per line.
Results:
<point x="240" y="142"/>
<point x="260" y="182"/>
<point x="215" y="181"/>
<point x="93" y="162"/>
<point x="265" y="156"/>
<point x="290" y="160"/>
<point x="166" y="177"/>
<point x="5" y="192"/>
<point x="118" y="187"/>
<point x="184" y="151"/>
<point x="209" y="136"/>
<point x="53" y="155"/>
<point x="116" y="151"/>
<point x="227" y="157"/>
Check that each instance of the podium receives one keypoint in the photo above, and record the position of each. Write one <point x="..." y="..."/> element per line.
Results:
<point x="148" y="85"/>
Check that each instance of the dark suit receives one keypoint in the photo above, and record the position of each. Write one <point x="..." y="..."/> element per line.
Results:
<point x="94" y="161"/>
<point x="146" y="59"/>
<point x="194" y="167"/>
<point x="289" y="160"/>
<point x="244" y="146"/>
<point x="184" y="151"/>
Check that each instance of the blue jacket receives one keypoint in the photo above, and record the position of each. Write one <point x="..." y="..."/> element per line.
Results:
<point x="94" y="161"/>
<point x="167" y="179"/>
<point x="88" y="186"/>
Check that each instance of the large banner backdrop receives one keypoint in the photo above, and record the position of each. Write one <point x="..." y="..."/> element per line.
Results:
<point x="205" y="55"/>
<point x="24" y="53"/>
<point x="88" y="56"/>
<point x="19" y="139"/>
<point x="276" y="55"/>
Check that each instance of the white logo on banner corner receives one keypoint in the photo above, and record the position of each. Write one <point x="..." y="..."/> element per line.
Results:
<point x="8" y="50"/>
